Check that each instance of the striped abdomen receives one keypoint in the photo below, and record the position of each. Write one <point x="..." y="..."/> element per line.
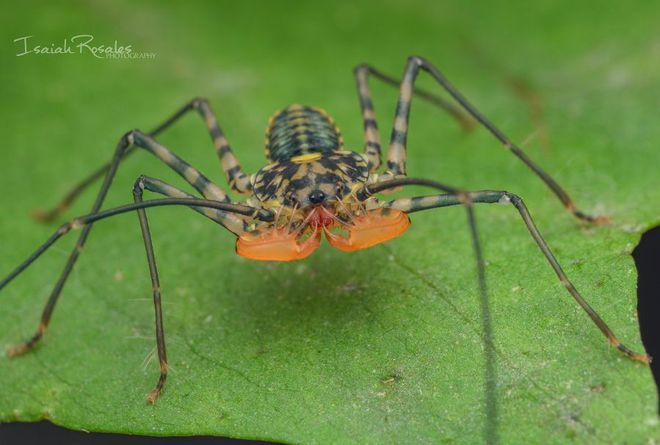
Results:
<point x="298" y="130"/>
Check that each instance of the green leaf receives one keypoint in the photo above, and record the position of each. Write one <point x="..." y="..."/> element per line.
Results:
<point x="380" y="346"/>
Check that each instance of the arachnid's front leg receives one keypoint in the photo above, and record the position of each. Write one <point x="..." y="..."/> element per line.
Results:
<point x="237" y="178"/>
<point x="396" y="156"/>
<point x="193" y="176"/>
<point x="138" y="190"/>
<point x="157" y="186"/>
<point x="410" y="205"/>
<point x="217" y="211"/>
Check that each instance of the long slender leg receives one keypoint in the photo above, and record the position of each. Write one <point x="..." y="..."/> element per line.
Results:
<point x="521" y="87"/>
<point x="85" y="221"/>
<point x="193" y="176"/>
<point x="416" y="204"/>
<point x="138" y="190"/>
<point x="396" y="157"/>
<point x="230" y="221"/>
<point x="238" y="180"/>
<point x="158" y="186"/>
<point x="163" y="188"/>
<point x="139" y="205"/>
<point x="372" y="146"/>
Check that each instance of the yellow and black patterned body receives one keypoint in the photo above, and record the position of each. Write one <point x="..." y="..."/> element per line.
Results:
<point x="298" y="130"/>
<point x="310" y="189"/>
<point x="309" y="165"/>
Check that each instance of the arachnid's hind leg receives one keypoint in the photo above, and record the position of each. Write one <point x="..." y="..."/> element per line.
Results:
<point x="396" y="156"/>
<point x="211" y="191"/>
<point x="416" y="204"/>
<point x="238" y="180"/>
<point x="372" y="146"/>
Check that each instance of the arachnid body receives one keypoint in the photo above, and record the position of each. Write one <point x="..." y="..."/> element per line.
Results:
<point x="312" y="187"/>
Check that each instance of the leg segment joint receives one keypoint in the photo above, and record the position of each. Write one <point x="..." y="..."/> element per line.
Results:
<point x="199" y="102"/>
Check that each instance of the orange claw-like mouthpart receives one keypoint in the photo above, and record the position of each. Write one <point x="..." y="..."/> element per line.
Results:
<point x="369" y="229"/>
<point x="365" y="230"/>
<point x="277" y="244"/>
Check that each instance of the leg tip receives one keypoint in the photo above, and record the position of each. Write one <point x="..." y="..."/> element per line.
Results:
<point x="644" y="358"/>
<point x="153" y="396"/>
<point x="600" y="220"/>
<point x="636" y="356"/>
<point x="16" y="351"/>
<point x="41" y="216"/>
<point x="48" y="216"/>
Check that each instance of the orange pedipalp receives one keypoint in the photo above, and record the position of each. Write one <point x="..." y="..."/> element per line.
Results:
<point x="374" y="227"/>
<point x="276" y="245"/>
<point x="366" y="230"/>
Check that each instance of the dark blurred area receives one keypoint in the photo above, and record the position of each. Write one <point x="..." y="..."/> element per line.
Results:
<point x="647" y="260"/>
<point x="47" y="433"/>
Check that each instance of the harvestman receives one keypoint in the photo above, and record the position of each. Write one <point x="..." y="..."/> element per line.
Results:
<point x="311" y="186"/>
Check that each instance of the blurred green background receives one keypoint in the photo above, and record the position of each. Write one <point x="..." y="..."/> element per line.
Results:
<point x="380" y="346"/>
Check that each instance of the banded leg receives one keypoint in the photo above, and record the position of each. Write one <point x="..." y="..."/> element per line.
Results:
<point x="138" y="190"/>
<point x="230" y="221"/>
<point x="416" y="204"/>
<point x="191" y="175"/>
<point x="396" y="156"/>
<point x="157" y="186"/>
<point x="238" y="180"/>
<point x="372" y="146"/>
<point x="83" y="222"/>
<point x="139" y="205"/>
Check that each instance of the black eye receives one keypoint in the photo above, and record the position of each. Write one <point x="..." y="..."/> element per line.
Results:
<point x="316" y="197"/>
